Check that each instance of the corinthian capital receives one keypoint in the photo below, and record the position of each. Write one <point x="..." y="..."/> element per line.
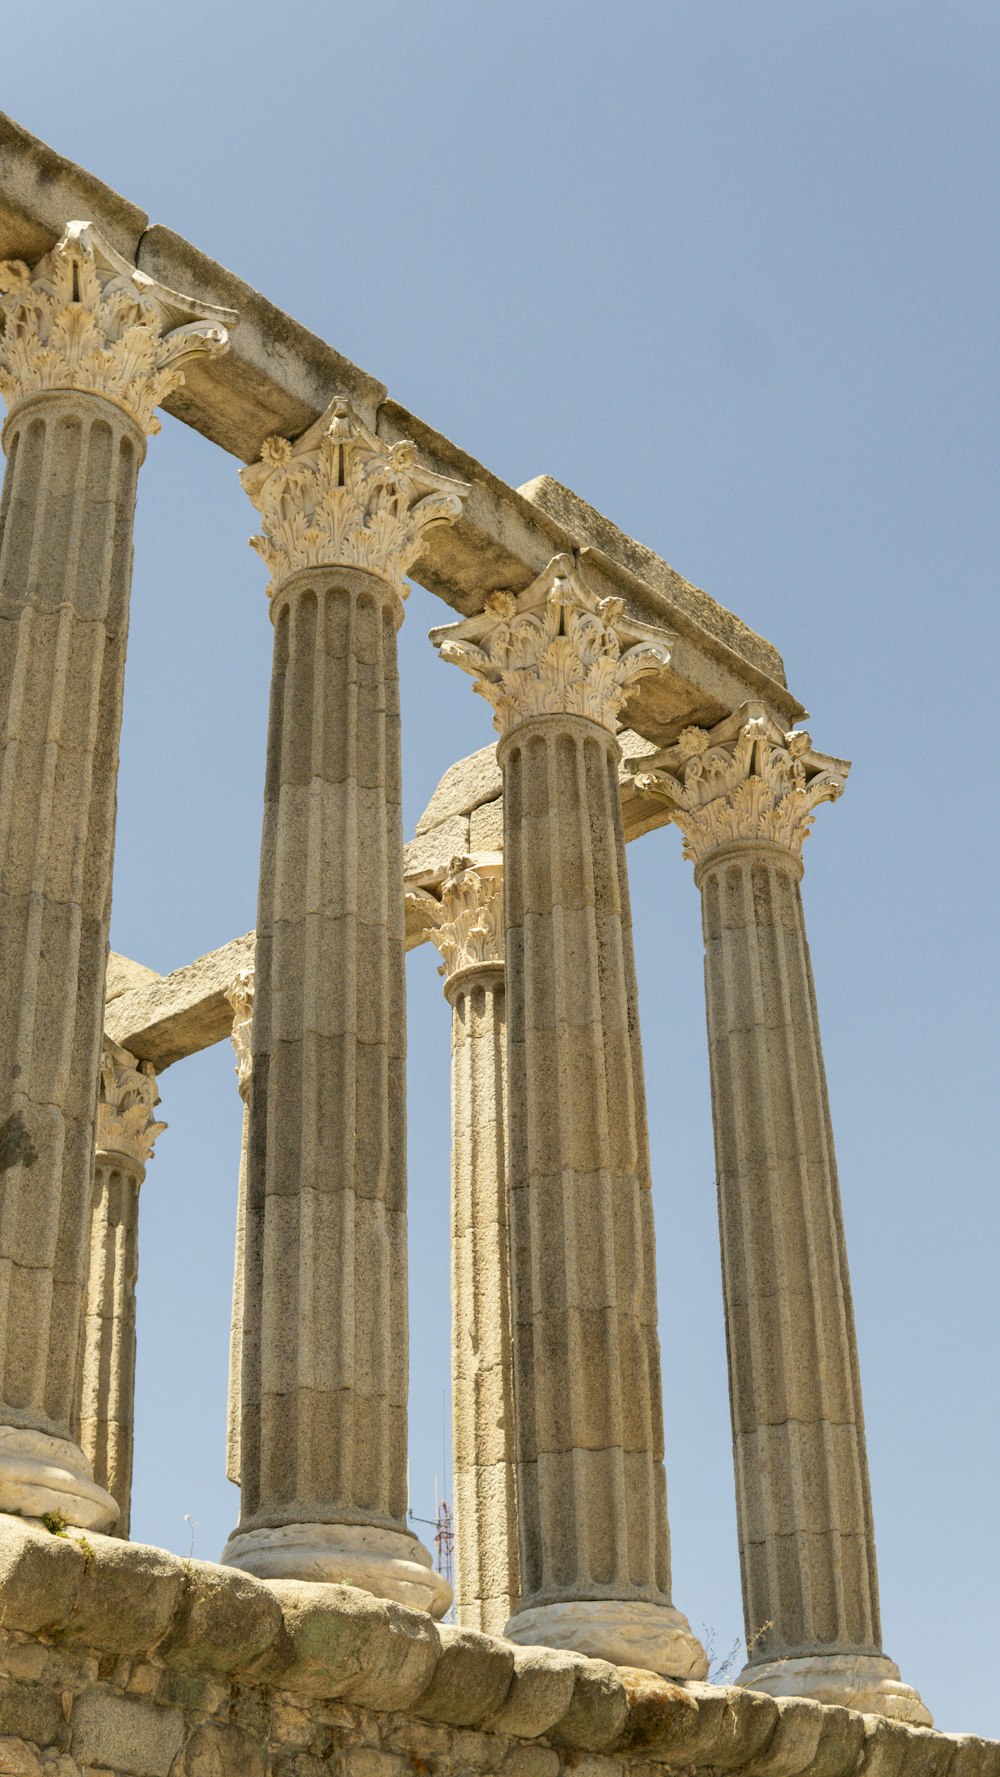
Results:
<point x="745" y="779"/>
<point x="466" y="923"/>
<point x="125" y="1121"/>
<point x="553" y="649"/>
<point x="340" y="497"/>
<point x="240" y="997"/>
<point x="84" y="318"/>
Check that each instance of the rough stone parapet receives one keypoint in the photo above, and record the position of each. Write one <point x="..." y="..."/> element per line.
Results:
<point x="120" y="1658"/>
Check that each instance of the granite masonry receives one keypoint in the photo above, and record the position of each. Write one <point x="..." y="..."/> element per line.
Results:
<point x="623" y="698"/>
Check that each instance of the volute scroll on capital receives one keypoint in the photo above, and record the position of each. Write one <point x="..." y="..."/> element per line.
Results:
<point x="553" y="649"/>
<point x="466" y="924"/>
<point x="339" y="496"/>
<point x="125" y="1121"/>
<point x="84" y="319"/>
<point x="745" y="780"/>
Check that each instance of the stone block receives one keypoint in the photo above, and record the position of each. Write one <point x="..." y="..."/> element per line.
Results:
<point x="18" y="1759"/>
<point x="368" y="1761"/>
<point x="127" y="1597"/>
<point x="841" y="1742"/>
<point x="974" y="1757"/>
<point x="540" y="1693"/>
<point x="697" y="1724"/>
<point x="597" y="1710"/>
<point x="531" y="1761"/>
<point x="125" y="1733"/>
<point x="216" y="1750"/>
<point x="40" y="1575"/>
<point x="792" y="1746"/>
<point x="471" y="1680"/>
<point x="341" y="1642"/>
<point x="225" y="1620"/>
<point x="30" y="1712"/>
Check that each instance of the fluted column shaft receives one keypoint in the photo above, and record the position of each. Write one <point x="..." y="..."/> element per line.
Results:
<point x="591" y="1488"/>
<point x="65" y="570"/>
<point x="88" y="347"/>
<point x="487" y="1582"/>
<point x="126" y="1131"/>
<point x="324" y="1359"/>
<point x="744" y="796"/>
<point x="240" y="997"/>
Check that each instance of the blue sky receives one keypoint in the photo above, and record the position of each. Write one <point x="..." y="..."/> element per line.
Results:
<point x="728" y="271"/>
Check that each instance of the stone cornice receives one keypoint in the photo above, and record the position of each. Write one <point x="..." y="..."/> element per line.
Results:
<point x="240" y="997"/>
<point x="553" y="649"/>
<point x="744" y="781"/>
<point x="340" y="497"/>
<point x="125" y="1121"/>
<point x="466" y="924"/>
<point x="83" y="318"/>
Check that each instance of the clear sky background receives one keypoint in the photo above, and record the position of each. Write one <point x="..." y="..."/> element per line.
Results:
<point x="730" y="272"/>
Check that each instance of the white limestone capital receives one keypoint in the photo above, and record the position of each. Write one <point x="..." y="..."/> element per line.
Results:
<point x="628" y="1632"/>
<point x="388" y="1563"/>
<point x="240" y="997"/>
<point x="83" y="318"/>
<point x="466" y="923"/>
<point x="42" y="1475"/>
<point x="866" y="1682"/>
<point x="125" y="1122"/>
<point x="553" y="649"/>
<point x="338" y="496"/>
<point x="746" y="780"/>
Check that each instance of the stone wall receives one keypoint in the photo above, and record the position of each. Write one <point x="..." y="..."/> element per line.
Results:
<point x="120" y="1658"/>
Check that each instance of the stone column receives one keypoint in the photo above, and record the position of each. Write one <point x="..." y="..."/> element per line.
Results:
<point x="88" y="347"/>
<point x="126" y="1131"/>
<point x="743" y="795"/>
<point x="466" y="924"/>
<point x="240" y="997"/>
<point x="594" y="1546"/>
<point x="324" y="1362"/>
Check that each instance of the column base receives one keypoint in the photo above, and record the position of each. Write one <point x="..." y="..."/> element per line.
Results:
<point x="628" y="1632"/>
<point x="867" y="1682"/>
<point x="388" y="1563"/>
<point x="40" y="1474"/>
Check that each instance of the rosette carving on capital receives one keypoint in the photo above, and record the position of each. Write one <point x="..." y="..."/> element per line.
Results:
<point x="466" y="923"/>
<point x="240" y="997"/>
<point x="83" y="318"/>
<point x="125" y="1121"/>
<point x="553" y="649"/>
<point x="340" y="497"/>
<point x="746" y="779"/>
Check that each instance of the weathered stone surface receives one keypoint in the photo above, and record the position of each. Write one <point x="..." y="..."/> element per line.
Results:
<point x="18" y="1758"/>
<point x="30" y="1712"/>
<point x="218" y="1750"/>
<point x="597" y="1710"/>
<point x="471" y="1679"/>
<point x="40" y="1575"/>
<point x="341" y="1642"/>
<point x="540" y="1693"/>
<point x="470" y="781"/>
<point x="127" y="1598"/>
<point x="225" y="1620"/>
<point x="125" y="1733"/>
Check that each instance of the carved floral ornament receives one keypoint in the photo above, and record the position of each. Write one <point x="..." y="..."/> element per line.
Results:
<point x="83" y="318"/>
<point x="554" y="648"/>
<point x="340" y="497"/>
<point x="746" y="779"/>
<point x="125" y="1121"/>
<point x="240" y="997"/>
<point x="466" y="923"/>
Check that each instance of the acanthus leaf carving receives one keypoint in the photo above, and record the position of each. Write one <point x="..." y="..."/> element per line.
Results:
<point x="83" y="318"/>
<point x="340" y="497"/>
<point x="466" y="924"/>
<point x="240" y="997"/>
<point x="128" y="1096"/>
<point x="554" y="648"/>
<point x="746" y="779"/>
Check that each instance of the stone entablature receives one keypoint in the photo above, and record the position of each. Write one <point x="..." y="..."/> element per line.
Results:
<point x="125" y="1659"/>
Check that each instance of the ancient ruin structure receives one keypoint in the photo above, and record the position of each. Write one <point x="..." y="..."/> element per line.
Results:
<point x="623" y="698"/>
